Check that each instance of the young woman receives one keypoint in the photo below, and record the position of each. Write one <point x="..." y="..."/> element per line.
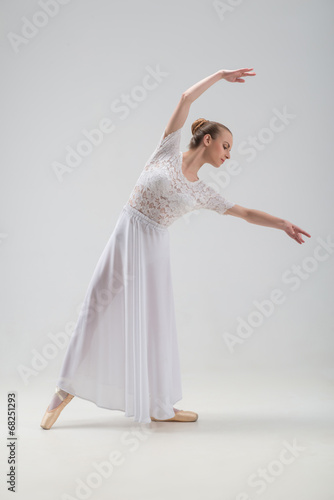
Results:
<point x="123" y="353"/>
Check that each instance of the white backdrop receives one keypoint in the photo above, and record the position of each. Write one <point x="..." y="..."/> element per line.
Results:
<point x="124" y="65"/>
<point x="90" y="63"/>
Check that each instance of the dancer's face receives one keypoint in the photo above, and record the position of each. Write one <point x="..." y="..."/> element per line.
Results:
<point x="218" y="150"/>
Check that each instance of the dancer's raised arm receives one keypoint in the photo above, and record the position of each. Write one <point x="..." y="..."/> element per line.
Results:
<point x="181" y="111"/>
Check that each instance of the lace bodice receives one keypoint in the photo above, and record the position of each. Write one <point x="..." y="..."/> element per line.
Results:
<point x="164" y="194"/>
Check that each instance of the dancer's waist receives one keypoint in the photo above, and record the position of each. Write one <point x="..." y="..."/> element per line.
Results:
<point x="136" y="213"/>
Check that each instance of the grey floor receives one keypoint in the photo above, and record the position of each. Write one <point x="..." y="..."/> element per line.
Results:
<point x="258" y="436"/>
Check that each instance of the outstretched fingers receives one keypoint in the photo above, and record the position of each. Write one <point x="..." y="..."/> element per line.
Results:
<point x="246" y="71"/>
<point x="297" y="237"/>
<point x="297" y="234"/>
<point x="303" y="232"/>
<point x="299" y="230"/>
<point x="236" y="75"/>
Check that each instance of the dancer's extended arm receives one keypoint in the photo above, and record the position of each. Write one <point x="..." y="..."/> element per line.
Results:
<point x="264" y="219"/>
<point x="181" y="111"/>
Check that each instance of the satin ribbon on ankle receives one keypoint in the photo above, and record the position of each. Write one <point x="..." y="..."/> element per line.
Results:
<point x="58" y="393"/>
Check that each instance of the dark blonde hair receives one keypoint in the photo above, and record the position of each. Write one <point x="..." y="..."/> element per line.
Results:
<point x="201" y="127"/>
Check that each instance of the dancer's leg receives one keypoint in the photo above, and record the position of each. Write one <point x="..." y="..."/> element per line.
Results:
<point x="57" y="398"/>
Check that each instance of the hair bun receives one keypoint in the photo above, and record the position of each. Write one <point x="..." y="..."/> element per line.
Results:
<point x="197" y="124"/>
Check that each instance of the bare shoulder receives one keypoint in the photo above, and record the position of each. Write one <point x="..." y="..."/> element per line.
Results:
<point x="238" y="211"/>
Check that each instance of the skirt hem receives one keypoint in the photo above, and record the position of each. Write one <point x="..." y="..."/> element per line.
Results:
<point x="175" y="400"/>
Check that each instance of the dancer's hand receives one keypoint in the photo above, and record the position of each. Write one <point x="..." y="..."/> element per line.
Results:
<point x="236" y="75"/>
<point x="295" y="232"/>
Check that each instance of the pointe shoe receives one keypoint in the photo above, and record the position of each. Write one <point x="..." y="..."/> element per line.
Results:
<point x="51" y="416"/>
<point x="180" y="416"/>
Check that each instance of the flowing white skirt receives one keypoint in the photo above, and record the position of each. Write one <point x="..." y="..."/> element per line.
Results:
<point x="123" y="353"/>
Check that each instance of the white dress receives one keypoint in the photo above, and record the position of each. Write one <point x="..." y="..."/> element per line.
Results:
<point x="123" y="353"/>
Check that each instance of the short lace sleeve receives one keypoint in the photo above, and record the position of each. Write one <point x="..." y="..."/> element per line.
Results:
<point x="213" y="200"/>
<point x="167" y="147"/>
